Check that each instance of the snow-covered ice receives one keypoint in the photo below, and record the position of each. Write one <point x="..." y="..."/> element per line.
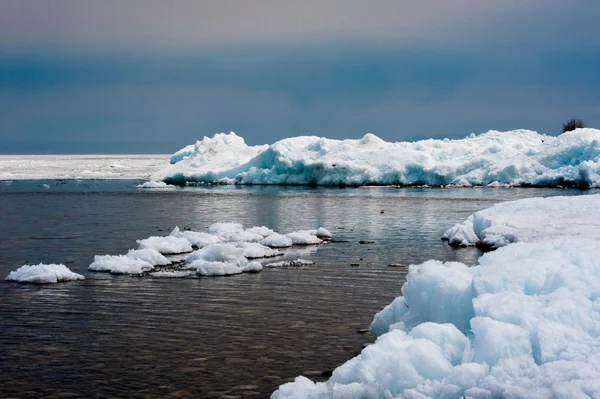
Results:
<point x="528" y="220"/>
<point x="43" y="274"/>
<point x="225" y="249"/>
<point x="54" y="167"/>
<point x="495" y="159"/>
<point x="523" y="323"/>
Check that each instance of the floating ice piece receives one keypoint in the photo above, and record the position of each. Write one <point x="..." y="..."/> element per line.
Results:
<point x="166" y="245"/>
<point x="196" y="238"/>
<point x="155" y="184"/>
<point x="277" y="240"/>
<point x="254" y="250"/>
<point x="220" y="260"/>
<point x="287" y="263"/>
<point x="149" y="255"/>
<point x="322" y="232"/>
<point x="304" y="237"/>
<point x="208" y="268"/>
<point x="119" y="264"/>
<point x="518" y="157"/>
<point x="529" y="220"/>
<point x="234" y="232"/>
<point x="43" y="274"/>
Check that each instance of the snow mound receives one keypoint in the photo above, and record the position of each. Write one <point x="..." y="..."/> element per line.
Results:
<point x="43" y="274"/>
<point x="529" y="220"/>
<point x="495" y="159"/>
<point x="524" y="322"/>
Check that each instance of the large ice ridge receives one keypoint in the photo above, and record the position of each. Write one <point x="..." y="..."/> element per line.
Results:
<point x="518" y="157"/>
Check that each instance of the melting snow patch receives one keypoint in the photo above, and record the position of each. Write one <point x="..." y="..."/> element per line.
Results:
<point x="43" y="274"/>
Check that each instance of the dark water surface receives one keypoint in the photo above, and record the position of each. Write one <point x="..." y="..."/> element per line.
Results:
<point x="239" y="336"/>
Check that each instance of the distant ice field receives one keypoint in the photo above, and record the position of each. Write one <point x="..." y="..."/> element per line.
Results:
<point x="84" y="167"/>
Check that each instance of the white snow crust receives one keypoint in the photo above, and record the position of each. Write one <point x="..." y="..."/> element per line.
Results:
<point x="43" y="274"/>
<point x="495" y="159"/>
<point x="225" y="249"/>
<point x="523" y="323"/>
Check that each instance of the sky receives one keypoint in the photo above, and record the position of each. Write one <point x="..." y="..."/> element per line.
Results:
<point x="150" y="76"/>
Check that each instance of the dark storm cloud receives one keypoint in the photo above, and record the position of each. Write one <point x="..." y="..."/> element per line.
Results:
<point x="156" y="25"/>
<point x="152" y="76"/>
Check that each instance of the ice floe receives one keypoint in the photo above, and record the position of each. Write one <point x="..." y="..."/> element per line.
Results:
<point x="495" y="159"/>
<point x="524" y="322"/>
<point x="225" y="249"/>
<point x="43" y="274"/>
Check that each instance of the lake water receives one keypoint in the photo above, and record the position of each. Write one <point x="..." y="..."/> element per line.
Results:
<point x="239" y="336"/>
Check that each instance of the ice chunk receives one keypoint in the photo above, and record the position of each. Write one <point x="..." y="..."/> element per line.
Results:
<point x="43" y="274"/>
<point x="277" y="241"/>
<point x="304" y="237"/>
<point x="323" y="233"/>
<point x="253" y="250"/>
<point x="196" y="238"/>
<point x="149" y="255"/>
<point x="166" y="245"/>
<point x="119" y="264"/>
<point x="155" y="184"/>
<point x="220" y="260"/>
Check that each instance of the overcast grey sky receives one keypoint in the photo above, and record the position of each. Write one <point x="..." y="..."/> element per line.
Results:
<point x="153" y="76"/>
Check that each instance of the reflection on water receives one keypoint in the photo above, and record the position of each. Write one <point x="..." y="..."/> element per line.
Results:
<point x="207" y="337"/>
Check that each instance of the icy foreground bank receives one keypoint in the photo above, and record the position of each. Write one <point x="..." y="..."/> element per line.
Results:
<point x="524" y="323"/>
<point x="519" y="157"/>
<point x="43" y="274"/>
<point x="226" y="249"/>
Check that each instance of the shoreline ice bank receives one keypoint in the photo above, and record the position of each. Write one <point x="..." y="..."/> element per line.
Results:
<point x="523" y="323"/>
<point x="514" y="158"/>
